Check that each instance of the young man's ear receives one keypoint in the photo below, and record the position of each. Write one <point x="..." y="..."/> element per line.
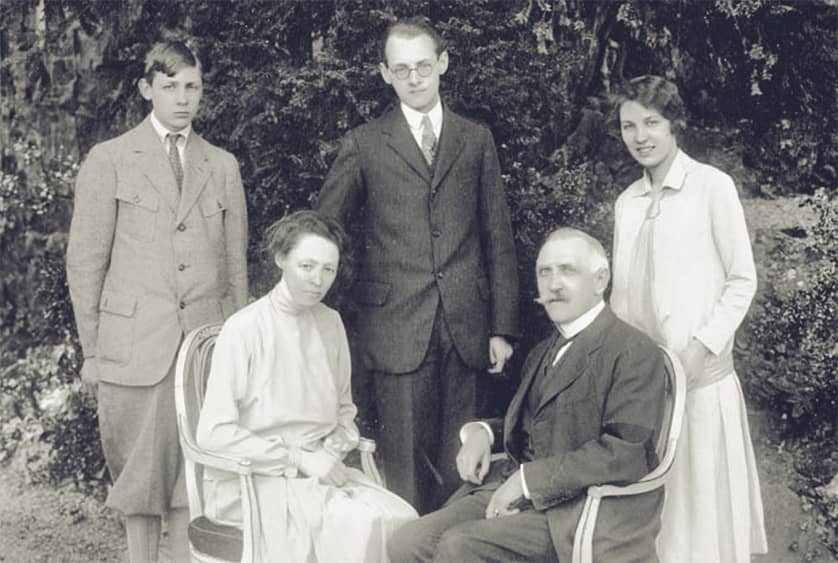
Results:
<point x="145" y="88"/>
<point x="442" y="62"/>
<point x="385" y="73"/>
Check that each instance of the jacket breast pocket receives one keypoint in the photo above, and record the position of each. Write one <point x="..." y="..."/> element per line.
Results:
<point x="136" y="212"/>
<point x="117" y="313"/>
<point x="213" y="204"/>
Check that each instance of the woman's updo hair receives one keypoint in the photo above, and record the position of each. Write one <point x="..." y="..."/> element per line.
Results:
<point x="653" y="92"/>
<point x="283" y="235"/>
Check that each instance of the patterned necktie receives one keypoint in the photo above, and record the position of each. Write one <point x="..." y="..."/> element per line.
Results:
<point x="428" y="140"/>
<point x="174" y="157"/>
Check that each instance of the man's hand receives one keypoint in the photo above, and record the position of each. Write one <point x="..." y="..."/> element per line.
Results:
<point x="693" y="360"/>
<point x="473" y="459"/>
<point x="500" y="350"/>
<point x="90" y="371"/>
<point x="510" y="492"/>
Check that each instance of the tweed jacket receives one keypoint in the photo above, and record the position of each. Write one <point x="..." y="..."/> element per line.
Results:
<point x="146" y="264"/>
<point x="596" y="423"/>
<point x="433" y="236"/>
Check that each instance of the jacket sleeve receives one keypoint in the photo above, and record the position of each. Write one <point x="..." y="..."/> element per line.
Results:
<point x="343" y="189"/>
<point x="730" y="234"/>
<point x="624" y="451"/>
<point x="235" y="230"/>
<point x="90" y="241"/>
<point x="497" y="242"/>
<point x="219" y="430"/>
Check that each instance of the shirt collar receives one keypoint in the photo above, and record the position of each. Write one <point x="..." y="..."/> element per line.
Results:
<point x="161" y="130"/>
<point x="414" y="118"/>
<point x="580" y="323"/>
<point x="674" y="178"/>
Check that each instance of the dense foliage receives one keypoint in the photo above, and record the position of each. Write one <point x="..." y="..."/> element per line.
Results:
<point x="285" y="79"/>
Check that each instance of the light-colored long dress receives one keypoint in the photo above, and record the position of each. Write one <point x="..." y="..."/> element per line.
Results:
<point x="683" y="269"/>
<point x="280" y="383"/>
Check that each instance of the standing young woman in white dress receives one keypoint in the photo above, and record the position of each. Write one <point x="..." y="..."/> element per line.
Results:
<point x="684" y="273"/>
<point x="279" y="394"/>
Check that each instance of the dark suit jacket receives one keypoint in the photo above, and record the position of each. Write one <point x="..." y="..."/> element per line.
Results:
<point x="145" y="265"/>
<point x="429" y="237"/>
<point x="597" y="423"/>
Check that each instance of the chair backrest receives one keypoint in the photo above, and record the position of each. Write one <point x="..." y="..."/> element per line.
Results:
<point x="673" y="413"/>
<point x="192" y="369"/>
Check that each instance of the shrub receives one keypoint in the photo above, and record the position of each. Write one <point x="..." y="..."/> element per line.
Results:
<point x="794" y="327"/>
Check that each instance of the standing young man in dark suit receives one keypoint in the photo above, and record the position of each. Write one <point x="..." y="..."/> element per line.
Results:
<point x="587" y="412"/>
<point x="437" y="288"/>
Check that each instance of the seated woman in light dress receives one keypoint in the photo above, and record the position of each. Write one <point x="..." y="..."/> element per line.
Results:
<point x="279" y="395"/>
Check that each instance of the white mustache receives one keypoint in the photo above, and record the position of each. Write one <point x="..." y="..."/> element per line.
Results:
<point x="543" y="300"/>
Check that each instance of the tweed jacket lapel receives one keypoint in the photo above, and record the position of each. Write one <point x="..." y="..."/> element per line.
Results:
<point x="195" y="174"/>
<point x="451" y="142"/>
<point x="574" y="365"/>
<point x="398" y="137"/>
<point x="151" y="158"/>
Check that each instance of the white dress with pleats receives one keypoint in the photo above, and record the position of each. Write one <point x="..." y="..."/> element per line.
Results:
<point x="683" y="269"/>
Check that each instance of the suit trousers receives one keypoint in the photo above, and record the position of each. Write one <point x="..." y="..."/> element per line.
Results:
<point x="420" y="414"/>
<point x="460" y="532"/>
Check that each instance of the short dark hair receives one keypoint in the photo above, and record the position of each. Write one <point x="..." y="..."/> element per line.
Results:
<point x="653" y="92"/>
<point x="283" y="235"/>
<point x="411" y="27"/>
<point x="169" y="57"/>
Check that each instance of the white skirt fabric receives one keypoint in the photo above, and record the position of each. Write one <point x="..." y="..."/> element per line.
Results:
<point x="713" y="508"/>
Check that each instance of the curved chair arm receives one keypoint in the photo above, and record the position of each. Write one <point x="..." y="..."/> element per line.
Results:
<point x="367" y="448"/>
<point x="584" y="538"/>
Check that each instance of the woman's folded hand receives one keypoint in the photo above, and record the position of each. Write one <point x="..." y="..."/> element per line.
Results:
<point x="319" y="463"/>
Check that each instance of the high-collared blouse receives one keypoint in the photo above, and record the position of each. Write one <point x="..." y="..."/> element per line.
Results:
<point x="280" y="381"/>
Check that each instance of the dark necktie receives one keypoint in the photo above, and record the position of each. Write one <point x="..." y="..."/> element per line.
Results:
<point x="428" y="140"/>
<point x="174" y="158"/>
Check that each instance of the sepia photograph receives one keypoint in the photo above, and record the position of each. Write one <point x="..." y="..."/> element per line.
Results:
<point x="403" y="281"/>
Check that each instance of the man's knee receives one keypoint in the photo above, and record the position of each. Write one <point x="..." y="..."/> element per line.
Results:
<point x="460" y="543"/>
<point x="413" y="542"/>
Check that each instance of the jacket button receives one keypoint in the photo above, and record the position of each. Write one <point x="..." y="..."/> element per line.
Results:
<point x="439" y="275"/>
<point x="182" y="305"/>
<point x="181" y="227"/>
<point x="180" y="268"/>
<point x="435" y="233"/>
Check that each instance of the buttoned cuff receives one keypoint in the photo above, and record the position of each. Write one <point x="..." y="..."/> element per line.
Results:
<point x="524" y="483"/>
<point x="466" y="428"/>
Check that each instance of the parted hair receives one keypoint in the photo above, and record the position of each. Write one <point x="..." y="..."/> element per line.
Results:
<point x="169" y="57"/>
<point x="283" y="235"/>
<point x="411" y="27"/>
<point x="654" y="92"/>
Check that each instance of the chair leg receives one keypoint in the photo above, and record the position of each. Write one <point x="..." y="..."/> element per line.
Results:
<point x="143" y="534"/>
<point x="178" y="527"/>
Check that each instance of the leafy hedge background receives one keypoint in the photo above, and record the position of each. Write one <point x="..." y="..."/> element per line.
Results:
<point x="285" y="79"/>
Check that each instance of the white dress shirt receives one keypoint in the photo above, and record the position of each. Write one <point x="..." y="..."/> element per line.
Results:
<point x="161" y="131"/>
<point x="414" y="121"/>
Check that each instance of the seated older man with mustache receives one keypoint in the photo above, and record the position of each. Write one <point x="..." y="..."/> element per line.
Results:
<point x="587" y="412"/>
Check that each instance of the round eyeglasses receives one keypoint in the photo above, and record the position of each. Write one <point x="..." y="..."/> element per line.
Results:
<point x="423" y="69"/>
